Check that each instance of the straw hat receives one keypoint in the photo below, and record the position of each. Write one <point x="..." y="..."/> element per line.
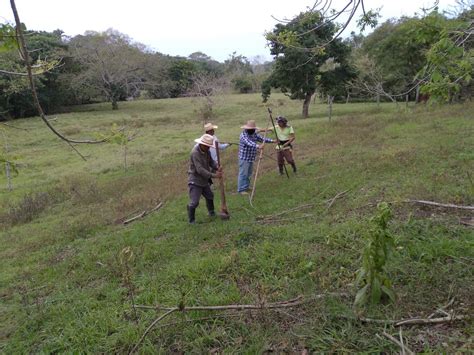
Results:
<point x="206" y="139"/>
<point x="208" y="126"/>
<point x="250" y="125"/>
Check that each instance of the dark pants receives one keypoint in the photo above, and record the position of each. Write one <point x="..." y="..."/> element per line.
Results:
<point x="195" y="193"/>
<point x="287" y="155"/>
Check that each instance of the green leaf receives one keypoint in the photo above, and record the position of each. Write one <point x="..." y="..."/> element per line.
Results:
<point x="389" y="292"/>
<point x="361" y="296"/>
<point x="375" y="291"/>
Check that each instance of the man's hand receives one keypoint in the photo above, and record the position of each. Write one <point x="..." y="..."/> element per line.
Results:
<point x="219" y="174"/>
<point x="260" y="146"/>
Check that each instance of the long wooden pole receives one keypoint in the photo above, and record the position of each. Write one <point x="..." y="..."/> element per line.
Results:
<point x="258" y="165"/>
<point x="224" y="210"/>
<point x="280" y="148"/>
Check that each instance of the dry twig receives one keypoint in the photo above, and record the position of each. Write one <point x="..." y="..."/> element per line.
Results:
<point x="400" y="344"/>
<point x="412" y="321"/>
<point x="143" y="214"/>
<point x="339" y="195"/>
<point x="445" y="205"/>
<point x="150" y="327"/>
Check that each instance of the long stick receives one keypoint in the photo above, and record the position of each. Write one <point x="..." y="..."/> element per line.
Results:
<point x="258" y="166"/>
<point x="278" y="140"/>
<point x="446" y="205"/>
<point x="224" y="209"/>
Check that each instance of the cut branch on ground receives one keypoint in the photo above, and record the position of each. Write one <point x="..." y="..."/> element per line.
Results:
<point x="143" y="214"/>
<point x="444" y="205"/>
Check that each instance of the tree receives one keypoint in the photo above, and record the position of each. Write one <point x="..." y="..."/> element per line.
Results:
<point x="239" y="72"/>
<point x="111" y="64"/>
<point x="299" y="48"/>
<point x="207" y="87"/>
<point x="399" y="49"/>
<point x="450" y="61"/>
<point x="46" y="52"/>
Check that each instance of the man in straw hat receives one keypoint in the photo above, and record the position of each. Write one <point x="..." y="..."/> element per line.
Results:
<point x="247" y="153"/>
<point x="209" y="128"/>
<point x="201" y="169"/>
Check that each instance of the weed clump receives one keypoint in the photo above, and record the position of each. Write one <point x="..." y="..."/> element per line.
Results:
<point x="30" y="207"/>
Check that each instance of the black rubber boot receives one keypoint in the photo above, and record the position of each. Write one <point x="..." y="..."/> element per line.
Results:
<point x="210" y="207"/>
<point x="280" y="168"/>
<point x="294" y="167"/>
<point x="191" y="215"/>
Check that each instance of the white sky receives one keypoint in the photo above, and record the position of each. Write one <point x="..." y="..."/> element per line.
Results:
<point x="181" y="27"/>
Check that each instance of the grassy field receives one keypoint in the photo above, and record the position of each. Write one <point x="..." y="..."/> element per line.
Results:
<point x="68" y="278"/>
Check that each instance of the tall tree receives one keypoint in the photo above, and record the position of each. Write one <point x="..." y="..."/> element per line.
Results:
<point x="300" y="47"/>
<point x="111" y="64"/>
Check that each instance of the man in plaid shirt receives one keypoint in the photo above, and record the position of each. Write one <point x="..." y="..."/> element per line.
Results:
<point x="247" y="153"/>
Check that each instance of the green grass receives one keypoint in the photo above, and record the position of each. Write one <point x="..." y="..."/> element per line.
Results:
<point x="62" y="284"/>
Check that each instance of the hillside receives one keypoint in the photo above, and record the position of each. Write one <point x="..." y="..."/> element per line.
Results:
<point x="71" y="270"/>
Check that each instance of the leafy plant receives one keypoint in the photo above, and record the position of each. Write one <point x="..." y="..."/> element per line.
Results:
<point x="372" y="277"/>
<point x="119" y="136"/>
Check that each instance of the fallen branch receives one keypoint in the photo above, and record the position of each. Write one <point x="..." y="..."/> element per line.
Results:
<point x="467" y="222"/>
<point x="298" y="301"/>
<point x="400" y="344"/>
<point x="442" y="310"/>
<point x="445" y="205"/>
<point x="411" y="321"/>
<point x="414" y="321"/>
<point x="143" y="214"/>
<point x="281" y="304"/>
<point x="339" y="195"/>
<point x="290" y="303"/>
<point x="150" y="327"/>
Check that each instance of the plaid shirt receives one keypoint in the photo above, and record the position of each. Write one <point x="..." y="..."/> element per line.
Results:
<point x="248" y="145"/>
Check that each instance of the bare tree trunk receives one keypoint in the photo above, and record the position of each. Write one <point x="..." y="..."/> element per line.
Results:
<point x="9" y="178"/>
<point x="7" y="164"/>
<point x="330" y="101"/>
<point x="417" y="95"/>
<point x="114" y="104"/>
<point x="406" y="101"/>
<point x="306" y="103"/>
<point x="125" y="156"/>
<point x="348" y="97"/>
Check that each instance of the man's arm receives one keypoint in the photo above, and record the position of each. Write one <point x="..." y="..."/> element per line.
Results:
<point x="246" y="141"/>
<point x="200" y="168"/>
<point x="264" y="139"/>
<point x="223" y="146"/>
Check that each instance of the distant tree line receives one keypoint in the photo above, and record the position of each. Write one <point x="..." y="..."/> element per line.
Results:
<point x="109" y="67"/>
<point x="429" y="54"/>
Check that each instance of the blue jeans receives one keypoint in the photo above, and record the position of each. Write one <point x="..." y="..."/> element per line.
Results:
<point x="245" y="172"/>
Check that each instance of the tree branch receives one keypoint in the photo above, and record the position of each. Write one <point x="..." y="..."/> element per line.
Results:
<point x="26" y="58"/>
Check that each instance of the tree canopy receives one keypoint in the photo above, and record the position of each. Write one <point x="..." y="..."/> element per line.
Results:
<point x="300" y="47"/>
